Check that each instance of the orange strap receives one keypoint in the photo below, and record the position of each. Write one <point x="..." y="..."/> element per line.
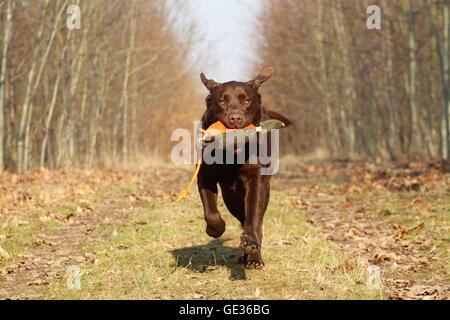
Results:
<point x="184" y="193"/>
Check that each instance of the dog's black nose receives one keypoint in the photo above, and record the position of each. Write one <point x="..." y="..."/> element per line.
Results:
<point x="235" y="119"/>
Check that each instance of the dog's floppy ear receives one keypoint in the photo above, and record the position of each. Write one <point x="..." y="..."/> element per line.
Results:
<point x="209" y="83"/>
<point x="264" y="75"/>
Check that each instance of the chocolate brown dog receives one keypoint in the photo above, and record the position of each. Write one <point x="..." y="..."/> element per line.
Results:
<point x="245" y="190"/>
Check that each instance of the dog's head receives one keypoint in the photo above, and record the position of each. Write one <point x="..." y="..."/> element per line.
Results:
<point x="235" y="104"/>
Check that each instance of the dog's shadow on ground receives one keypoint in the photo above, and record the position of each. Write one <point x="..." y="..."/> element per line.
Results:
<point x="207" y="257"/>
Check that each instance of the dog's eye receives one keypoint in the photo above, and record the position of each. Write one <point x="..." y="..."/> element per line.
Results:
<point x="247" y="101"/>
<point x="221" y="102"/>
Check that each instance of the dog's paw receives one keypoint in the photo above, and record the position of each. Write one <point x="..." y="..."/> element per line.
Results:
<point x="254" y="262"/>
<point x="215" y="228"/>
<point x="248" y="245"/>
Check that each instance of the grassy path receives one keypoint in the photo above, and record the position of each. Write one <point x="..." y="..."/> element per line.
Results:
<point x="162" y="252"/>
<point x="131" y="241"/>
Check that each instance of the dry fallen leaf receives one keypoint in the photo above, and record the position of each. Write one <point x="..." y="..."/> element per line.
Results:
<point x="44" y="242"/>
<point x="346" y="266"/>
<point x="38" y="282"/>
<point x="425" y="213"/>
<point x="382" y="257"/>
<point x="417" y="201"/>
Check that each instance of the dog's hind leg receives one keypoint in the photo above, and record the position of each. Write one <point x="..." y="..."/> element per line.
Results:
<point x="215" y="225"/>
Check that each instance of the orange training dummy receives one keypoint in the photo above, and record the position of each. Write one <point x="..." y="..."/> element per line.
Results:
<point x="216" y="128"/>
<point x="219" y="127"/>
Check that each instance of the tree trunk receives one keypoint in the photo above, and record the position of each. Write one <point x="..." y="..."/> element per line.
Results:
<point x="126" y="79"/>
<point x="414" y="136"/>
<point x="65" y="120"/>
<point x="445" y="123"/>
<point x="333" y="134"/>
<point x="28" y="92"/>
<point x="348" y="94"/>
<point x="53" y="101"/>
<point x="8" y="25"/>
<point x="33" y="85"/>
<point x="442" y="51"/>
<point x="388" y="83"/>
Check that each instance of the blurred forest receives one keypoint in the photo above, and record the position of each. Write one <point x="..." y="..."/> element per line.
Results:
<point x="114" y="90"/>
<point x="86" y="116"/>
<point x="97" y="95"/>
<point x="354" y="92"/>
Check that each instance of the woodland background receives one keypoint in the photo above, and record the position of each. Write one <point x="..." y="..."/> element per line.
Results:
<point x="359" y="93"/>
<point x="114" y="90"/>
<point x="98" y="95"/>
<point x="86" y="117"/>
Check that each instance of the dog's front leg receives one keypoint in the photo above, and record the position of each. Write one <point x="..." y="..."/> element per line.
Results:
<point x="256" y="200"/>
<point x="207" y="187"/>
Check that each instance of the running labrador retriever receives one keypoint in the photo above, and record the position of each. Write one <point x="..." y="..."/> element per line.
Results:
<point x="245" y="190"/>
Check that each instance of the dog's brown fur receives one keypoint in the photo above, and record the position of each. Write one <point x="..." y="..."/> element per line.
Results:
<point x="245" y="191"/>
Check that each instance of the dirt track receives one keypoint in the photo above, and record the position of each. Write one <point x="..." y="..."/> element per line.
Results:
<point x="396" y="218"/>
